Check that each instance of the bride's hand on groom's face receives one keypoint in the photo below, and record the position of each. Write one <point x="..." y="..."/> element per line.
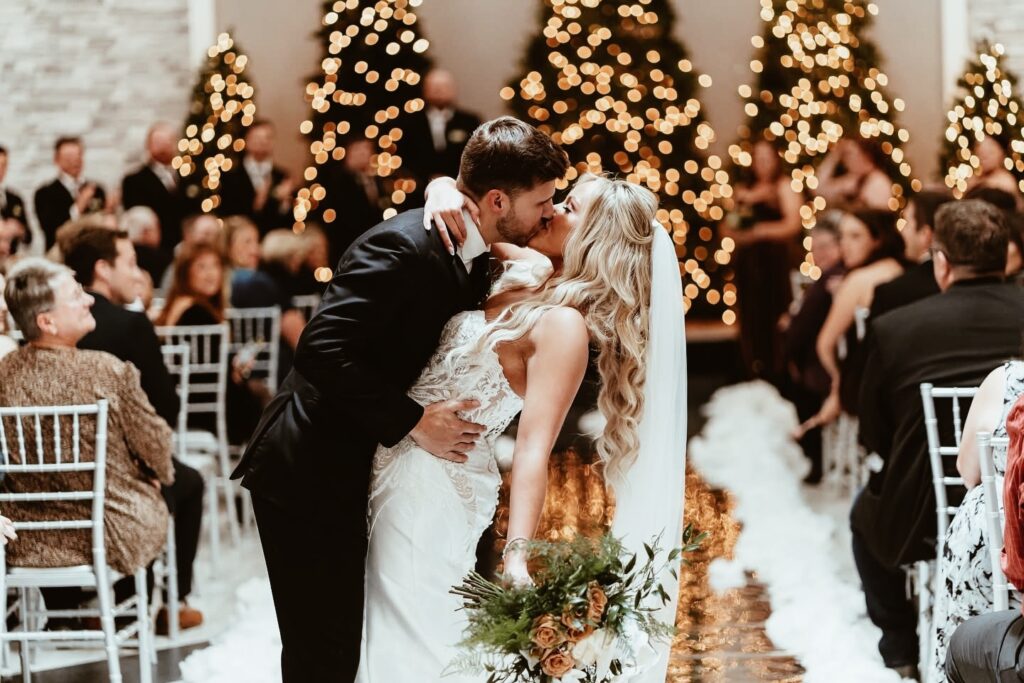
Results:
<point x="444" y="208"/>
<point x="442" y="433"/>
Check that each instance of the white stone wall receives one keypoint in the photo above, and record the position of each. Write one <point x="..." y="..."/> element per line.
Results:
<point x="1002" y="21"/>
<point x="102" y="69"/>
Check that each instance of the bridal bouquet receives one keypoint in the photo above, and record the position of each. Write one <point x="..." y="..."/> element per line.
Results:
<point x="588" y="618"/>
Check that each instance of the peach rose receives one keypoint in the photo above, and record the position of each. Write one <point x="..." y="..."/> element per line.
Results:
<point x="598" y="601"/>
<point x="574" y="619"/>
<point x="557" y="663"/>
<point x="546" y="632"/>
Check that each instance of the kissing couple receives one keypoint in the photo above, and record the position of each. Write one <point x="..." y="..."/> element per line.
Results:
<point x="373" y="473"/>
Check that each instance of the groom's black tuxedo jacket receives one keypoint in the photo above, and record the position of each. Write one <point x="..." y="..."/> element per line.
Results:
<point x="379" y="322"/>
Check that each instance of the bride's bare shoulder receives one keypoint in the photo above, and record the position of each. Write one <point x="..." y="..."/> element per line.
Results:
<point x="562" y="325"/>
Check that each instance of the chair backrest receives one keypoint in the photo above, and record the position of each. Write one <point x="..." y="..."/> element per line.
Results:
<point x="937" y="452"/>
<point x="995" y="517"/>
<point x="307" y="304"/>
<point x="207" y="367"/>
<point x="47" y="440"/>
<point x="176" y="359"/>
<point x="260" y="330"/>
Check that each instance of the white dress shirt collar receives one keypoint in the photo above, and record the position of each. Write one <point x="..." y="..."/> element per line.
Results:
<point x="72" y="184"/>
<point x="474" y="245"/>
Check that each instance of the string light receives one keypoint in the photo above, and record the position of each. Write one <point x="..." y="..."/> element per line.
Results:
<point x="610" y="85"/>
<point x="986" y="106"/>
<point x="817" y="85"/>
<point x="369" y="78"/>
<point x="222" y="109"/>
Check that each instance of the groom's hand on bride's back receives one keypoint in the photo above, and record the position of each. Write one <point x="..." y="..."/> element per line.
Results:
<point x="441" y="432"/>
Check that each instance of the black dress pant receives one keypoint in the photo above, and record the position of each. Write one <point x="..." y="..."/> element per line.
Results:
<point x="987" y="647"/>
<point x="889" y="607"/>
<point x="185" y="502"/>
<point x="316" y="566"/>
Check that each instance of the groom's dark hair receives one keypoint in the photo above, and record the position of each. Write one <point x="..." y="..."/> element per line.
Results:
<point x="509" y="155"/>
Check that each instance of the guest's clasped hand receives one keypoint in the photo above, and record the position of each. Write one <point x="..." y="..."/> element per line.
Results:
<point x="7" y="532"/>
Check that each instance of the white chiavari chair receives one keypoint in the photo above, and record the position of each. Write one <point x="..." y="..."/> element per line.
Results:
<point x="24" y="438"/>
<point x="307" y="304"/>
<point x="206" y="396"/>
<point x="259" y="330"/>
<point x="927" y="574"/>
<point x="845" y="462"/>
<point x="995" y="518"/>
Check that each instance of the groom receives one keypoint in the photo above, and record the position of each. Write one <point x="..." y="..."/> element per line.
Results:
<point x="308" y="462"/>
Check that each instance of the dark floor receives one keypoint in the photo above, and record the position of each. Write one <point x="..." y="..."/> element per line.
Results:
<point x="722" y="639"/>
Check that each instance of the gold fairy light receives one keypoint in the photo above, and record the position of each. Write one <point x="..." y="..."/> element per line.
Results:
<point x="987" y="106"/>
<point x="606" y="90"/>
<point x="214" y="133"/>
<point x="818" y="44"/>
<point x="354" y="94"/>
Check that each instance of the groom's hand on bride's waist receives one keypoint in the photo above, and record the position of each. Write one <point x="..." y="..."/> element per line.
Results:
<point x="441" y="432"/>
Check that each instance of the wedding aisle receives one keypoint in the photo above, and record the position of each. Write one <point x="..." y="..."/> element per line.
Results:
<point x="794" y="539"/>
<point x="772" y="596"/>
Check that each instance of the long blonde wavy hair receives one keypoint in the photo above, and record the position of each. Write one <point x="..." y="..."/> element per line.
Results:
<point x="606" y="276"/>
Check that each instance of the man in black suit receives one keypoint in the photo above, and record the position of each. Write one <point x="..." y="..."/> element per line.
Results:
<point x="255" y="187"/>
<point x="918" y="281"/>
<point x="69" y="195"/>
<point x="12" y="208"/>
<point x="307" y="464"/>
<point x="952" y="339"/>
<point x="104" y="263"/>
<point x="435" y="137"/>
<point x="158" y="186"/>
<point x="355" y="199"/>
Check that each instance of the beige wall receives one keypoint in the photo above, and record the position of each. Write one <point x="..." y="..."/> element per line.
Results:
<point x="482" y="41"/>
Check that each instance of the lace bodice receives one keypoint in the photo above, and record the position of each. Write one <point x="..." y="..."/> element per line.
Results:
<point x="477" y="376"/>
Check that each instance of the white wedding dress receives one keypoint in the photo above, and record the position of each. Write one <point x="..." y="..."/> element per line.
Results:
<point x="426" y="517"/>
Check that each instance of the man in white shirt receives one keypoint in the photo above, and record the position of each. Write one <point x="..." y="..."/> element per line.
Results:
<point x="158" y="186"/>
<point x="256" y="188"/>
<point x="70" y="195"/>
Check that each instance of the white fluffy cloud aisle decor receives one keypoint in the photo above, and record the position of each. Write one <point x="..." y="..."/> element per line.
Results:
<point x="818" y="614"/>
<point x="249" y="651"/>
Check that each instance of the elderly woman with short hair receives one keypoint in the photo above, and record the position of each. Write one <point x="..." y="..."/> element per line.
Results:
<point x="52" y="311"/>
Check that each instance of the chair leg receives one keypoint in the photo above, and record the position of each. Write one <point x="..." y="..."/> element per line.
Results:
<point x="103" y="593"/>
<point x="173" y="625"/>
<point x="145" y="634"/>
<point x="23" y="647"/>
<point x="213" y="520"/>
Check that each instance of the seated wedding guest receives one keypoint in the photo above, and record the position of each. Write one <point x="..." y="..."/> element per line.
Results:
<point x="356" y="197"/>
<point x="70" y="195"/>
<point x="158" y="186"/>
<point x="199" y="228"/>
<point x="255" y="187"/>
<point x="990" y="647"/>
<point x="197" y="296"/>
<point x="12" y="208"/>
<point x="283" y="255"/>
<point x="438" y="133"/>
<point x="252" y="288"/>
<point x="104" y="263"/>
<point x="919" y="279"/>
<point x="965" y="564"/>
<point x="7" y="343"/>
<point x="765" y="228"/>
<point x="143" y="228"/>
<point x="873" y="254"/>
<point x="807" y="383"/>
<point x="992" y="171"/>
<point x="52" y="311"/>
<point x="317" y="267"/>
<point x="66" y="233"/>
<point x="953" y="339"/>
<point x="863" y="184"/>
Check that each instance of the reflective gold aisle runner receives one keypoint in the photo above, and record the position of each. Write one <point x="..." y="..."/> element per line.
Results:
<point x="721" y="637"/>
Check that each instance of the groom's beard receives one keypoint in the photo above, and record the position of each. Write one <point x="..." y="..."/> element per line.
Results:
<point x="513" y="232"/>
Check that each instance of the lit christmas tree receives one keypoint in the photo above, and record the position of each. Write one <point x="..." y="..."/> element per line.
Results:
<point x="608" y="82"/>
<point x="986" y="106"/>
<point x="369" y="77"/>
<point x="818" y="80"/>
<point x="222" y="108"/>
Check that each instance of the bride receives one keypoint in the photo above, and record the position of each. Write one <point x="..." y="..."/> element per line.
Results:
<point x="526" y="351"/>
